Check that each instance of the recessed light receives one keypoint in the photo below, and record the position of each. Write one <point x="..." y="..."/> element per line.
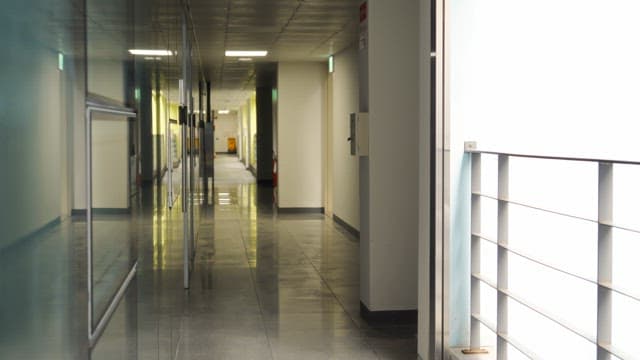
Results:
<point x="151" y="52"/>
<point x="245" y="59"/>
<point x="245" y="53"/>
<point x="223" y="112"/>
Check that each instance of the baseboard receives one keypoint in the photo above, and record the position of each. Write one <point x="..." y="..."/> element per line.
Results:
<point x="300" y="210"/>
<point x="101" y="211"/>
<point x="32" y="235"/>
<point x="350" y="229"/>
<point x="389" y="317"/>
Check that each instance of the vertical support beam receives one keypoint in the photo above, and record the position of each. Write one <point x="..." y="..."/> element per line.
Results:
<point x="89" y="207"/>
<point x="605" y="219"/>
<point x="183" y="122"/>
<point x="158" y="144"/>
<point x="476" y="178"/>
<point x="213" y="136"/>
<point x="503" y="255"/>
<point x="192" y="141"/>
<point x="439" y="247"/>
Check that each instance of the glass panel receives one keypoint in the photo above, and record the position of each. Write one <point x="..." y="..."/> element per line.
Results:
<point x="489" y="261"/>
<point x="515" y="354"/>
<point x="489" y="218"/>
<point x="113" y="230"/>
<point x="487" y="337"/>
<point x="555" y="240"/>
<point x="568" y="299"/>
<point x="625" y="264"/>
<point x="568" y="187"/>
<point x="488" y="305"/>
<point x="489" y="175"/>
<point x="110" y="35"/>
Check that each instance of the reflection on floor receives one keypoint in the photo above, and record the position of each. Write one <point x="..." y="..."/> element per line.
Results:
<point x="264" y="286"/>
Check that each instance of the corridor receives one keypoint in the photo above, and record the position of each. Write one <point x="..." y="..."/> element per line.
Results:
<point x="265" y="286"/>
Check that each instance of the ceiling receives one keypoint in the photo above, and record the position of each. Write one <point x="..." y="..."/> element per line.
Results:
<point x="302" y="30"/>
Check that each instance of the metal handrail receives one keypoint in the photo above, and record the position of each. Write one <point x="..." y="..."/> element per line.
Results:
<point x="94" y="334"/>
<point x="602" y="339"/>
<point x="469" y="148"/>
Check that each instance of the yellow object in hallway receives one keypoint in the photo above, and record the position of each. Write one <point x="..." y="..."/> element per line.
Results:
<point x="231" y="145"/>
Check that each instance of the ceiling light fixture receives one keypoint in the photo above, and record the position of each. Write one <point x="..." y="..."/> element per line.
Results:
<point x="245" y="59"/>
<point x="151" y="52"/>
<point x="223" y="112"/>
<point x="245" y="53"/>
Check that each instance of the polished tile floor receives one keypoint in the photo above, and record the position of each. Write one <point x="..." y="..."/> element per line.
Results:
<point x="263" y="286"/>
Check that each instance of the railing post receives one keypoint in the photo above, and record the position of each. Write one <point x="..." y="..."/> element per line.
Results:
<point x="605" y="219"/>
<point x="476" y="255"/>
<point x="503" y="255"/>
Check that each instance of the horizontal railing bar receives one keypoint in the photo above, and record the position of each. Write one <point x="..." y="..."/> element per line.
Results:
<point x="552" y="267"/>
<point x="534" y="308"/>
<point x="482" y="237"/>
<point x="616" y="352"/>
<point x="562" y="158"/>
<point x="485" y="280"/>
<point x="528" y="257"/>
<point x="484" y="321"/>
<point x="111" y="111"/>
<point x="555" y="268"/>
<point x="526" y="352"/>
<point x="614" y="226"/>
<point x="113" y="305"/>
<point x="606" y="223"/>
<point x="558" y="321"/>
<point x="102" y="107"/>
<point x="538" y="208"/>
<point x="610" y="286"/>
<point x="504" y="337"/>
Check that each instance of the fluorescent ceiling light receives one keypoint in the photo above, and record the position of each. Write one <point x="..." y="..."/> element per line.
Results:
<point x="245" y="59"/>
<point x="223" y="112"/>
<point x="245" y="53"/>
<point x="151" y="52"/>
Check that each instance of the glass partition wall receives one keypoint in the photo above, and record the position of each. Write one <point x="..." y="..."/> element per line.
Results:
<point x="112" y="149"/>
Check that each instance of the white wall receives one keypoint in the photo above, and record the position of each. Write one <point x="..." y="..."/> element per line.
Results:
<point x="37" y="103"/>
<point x="226" y="127"/>
<point x="389" y="261"/>
<point x="110" y="162"/>
<point x="301" y="116"/>
<point x="344" y="94"/>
